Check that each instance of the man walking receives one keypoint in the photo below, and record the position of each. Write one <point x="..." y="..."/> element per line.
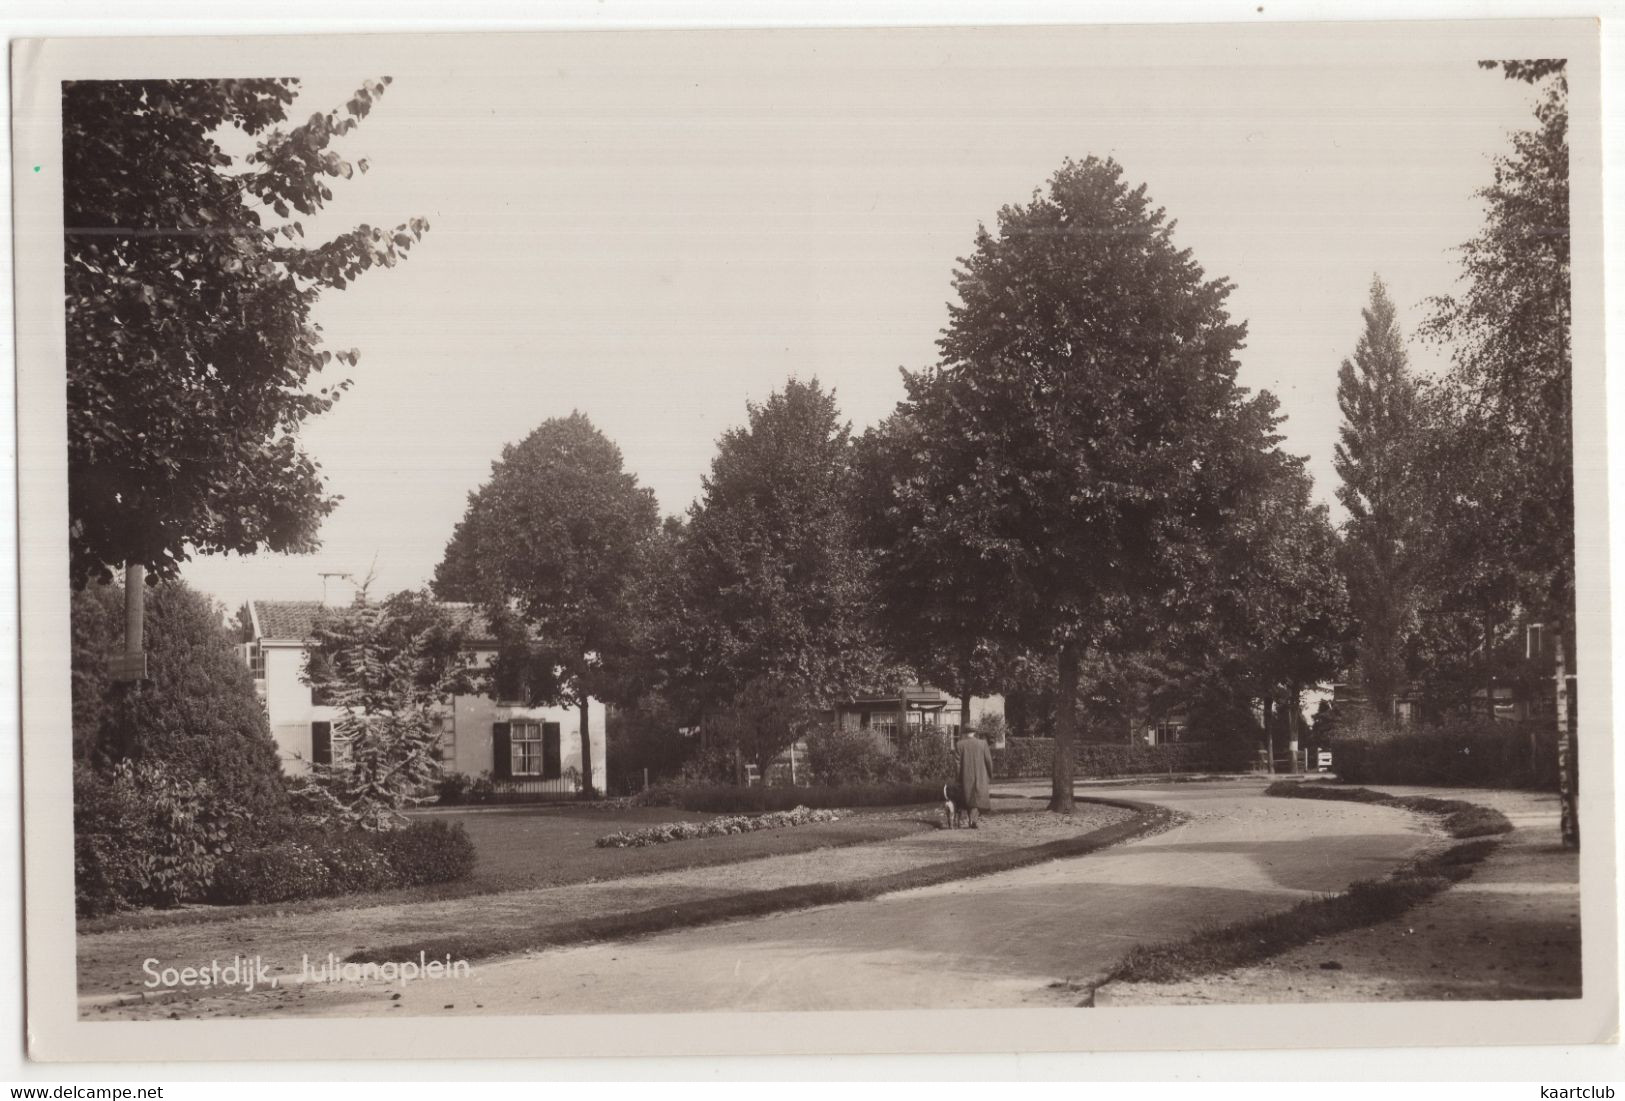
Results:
<point x="975" y="774"/>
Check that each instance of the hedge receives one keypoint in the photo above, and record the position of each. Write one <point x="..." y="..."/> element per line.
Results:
<point x="316" y="863"/>
<point x="1460" y="753"/>
<point x="1025" y="758"/>
<point x="728" y="799"/>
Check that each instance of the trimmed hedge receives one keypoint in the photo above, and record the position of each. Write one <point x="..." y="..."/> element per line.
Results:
<point x="314" y="864"/>
<point x="727" y="799"/>
<point x="1459" y="753"/>
<point x="1024" y="758"/>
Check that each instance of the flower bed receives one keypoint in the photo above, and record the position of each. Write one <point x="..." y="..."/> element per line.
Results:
<point x="716" y="827"/>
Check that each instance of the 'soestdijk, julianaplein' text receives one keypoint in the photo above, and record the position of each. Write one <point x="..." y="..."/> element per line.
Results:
<point x="250" y="973"/>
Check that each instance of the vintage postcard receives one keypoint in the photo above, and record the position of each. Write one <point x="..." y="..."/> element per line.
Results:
<point x="970" y="539"/>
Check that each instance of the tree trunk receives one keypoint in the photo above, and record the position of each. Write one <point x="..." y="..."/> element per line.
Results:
<point x="1489" y="671"/>
<point x="135" y="595"/>
<point x="1066" y="723"/>
<point x="1567" y="773"/>
<point x="1269" y="734"/>
<point x="1292" y="723"/>
<point x="964" y="712"/>
<point x="587" y="789"/>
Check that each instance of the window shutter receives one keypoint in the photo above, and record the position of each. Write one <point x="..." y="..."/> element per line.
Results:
<point x="551" y="764"/>
<point x="502" y="751"/>
<point x="321" y="743"/>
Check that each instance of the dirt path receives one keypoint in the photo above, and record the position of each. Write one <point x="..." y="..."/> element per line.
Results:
<point x="1511" y="931"/>
<point x="111" y="971"/>
<point x="1030" y="937"/>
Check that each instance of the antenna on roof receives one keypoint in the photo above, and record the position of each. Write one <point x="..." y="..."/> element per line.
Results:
<point x="325" y="574"/>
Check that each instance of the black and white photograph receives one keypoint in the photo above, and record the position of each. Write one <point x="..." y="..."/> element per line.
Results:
<point x="617" y="538"/>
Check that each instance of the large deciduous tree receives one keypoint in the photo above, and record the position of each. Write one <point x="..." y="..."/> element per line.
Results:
<point x="190" y="348"/>
<point x="778" y="579"/>
<point x="549" y="547"/>
<point x="1509" y="327"/>
<point x="1509" y="331"/>
<point x="1379" y="445"/>
<point x="1082" y="445"/>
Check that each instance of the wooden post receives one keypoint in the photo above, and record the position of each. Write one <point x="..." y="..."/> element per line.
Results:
<point x="131" y="665"/>
<point x="1567" y="774"/>
<point x="1293" y="708"/>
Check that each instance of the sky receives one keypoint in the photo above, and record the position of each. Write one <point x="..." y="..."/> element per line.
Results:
<point x="655" y="229"/>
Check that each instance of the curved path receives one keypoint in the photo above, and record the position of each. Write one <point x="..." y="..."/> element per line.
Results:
<point x="1029" y="937"/>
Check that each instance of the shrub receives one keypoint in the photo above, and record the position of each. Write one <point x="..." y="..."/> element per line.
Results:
<point x="452" y="789"/>
<point x="312" y="863"/>
<point x="645" y="737"/>
<point x="280" y="871"/>
<point x="355" y="861"/>
<point x="144" y="837"/>
<point x="1461" y="752"/>
<point x="840" y="756"/>
<point x="1031" y="757"/>
<point x="714" y="765"/>
<point x="928" y="756"/>
<point x="427" y="852"/>
<point x="197" y="717"/>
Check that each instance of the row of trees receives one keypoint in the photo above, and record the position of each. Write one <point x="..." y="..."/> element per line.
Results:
<point x="1079" y="492"/>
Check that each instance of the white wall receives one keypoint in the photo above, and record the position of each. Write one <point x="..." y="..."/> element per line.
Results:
<point x="288" y="706"/>
<point x="474" y="716"/>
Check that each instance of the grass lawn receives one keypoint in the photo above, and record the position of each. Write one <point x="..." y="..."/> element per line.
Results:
<point x="550" y="845"/>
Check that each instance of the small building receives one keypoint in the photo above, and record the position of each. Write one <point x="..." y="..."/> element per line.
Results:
<point x="530" y="748"/>
<point x="920" y="707"/>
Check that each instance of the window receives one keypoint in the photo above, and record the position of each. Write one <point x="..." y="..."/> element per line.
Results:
<point x="254" y="656"/>
<point x="445" y="728"/>
<point x="1169" y="730"/>
<point x="534" y="747"/>
<point x="321" y="743"/>
<point x="1534" y="640"/>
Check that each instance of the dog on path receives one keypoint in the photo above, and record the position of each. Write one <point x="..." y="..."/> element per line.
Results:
<point x="953" y="806"/>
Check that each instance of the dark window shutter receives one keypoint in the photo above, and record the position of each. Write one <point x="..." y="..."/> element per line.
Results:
<point x="551" y="765"/>
<point x="502" y="751"/>
<point x="321" y="743"/>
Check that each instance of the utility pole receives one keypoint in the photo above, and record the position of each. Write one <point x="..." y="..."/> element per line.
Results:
<point x="131" y="665"/>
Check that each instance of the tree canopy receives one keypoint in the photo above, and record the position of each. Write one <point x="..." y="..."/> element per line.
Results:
<point x="190" y="347"/>
<point x="550" y="547"/>
<point x="388" y="668"/>
<point x="1083" y="446"/>
<point x="1509" y="331"/>
<point x="774" y="562"/>
<point x="1377" y="457"/>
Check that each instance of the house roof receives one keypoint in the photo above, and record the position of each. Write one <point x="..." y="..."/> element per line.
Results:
<point x="294" y="620"/>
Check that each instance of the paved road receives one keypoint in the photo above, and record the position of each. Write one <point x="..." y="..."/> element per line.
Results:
<point x="1021" y="938"/>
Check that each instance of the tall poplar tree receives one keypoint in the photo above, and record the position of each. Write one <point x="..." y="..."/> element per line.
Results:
<point x="1376" y="458"/>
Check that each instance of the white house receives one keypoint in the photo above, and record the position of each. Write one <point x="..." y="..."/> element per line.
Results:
<point x="528" y="747"/>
